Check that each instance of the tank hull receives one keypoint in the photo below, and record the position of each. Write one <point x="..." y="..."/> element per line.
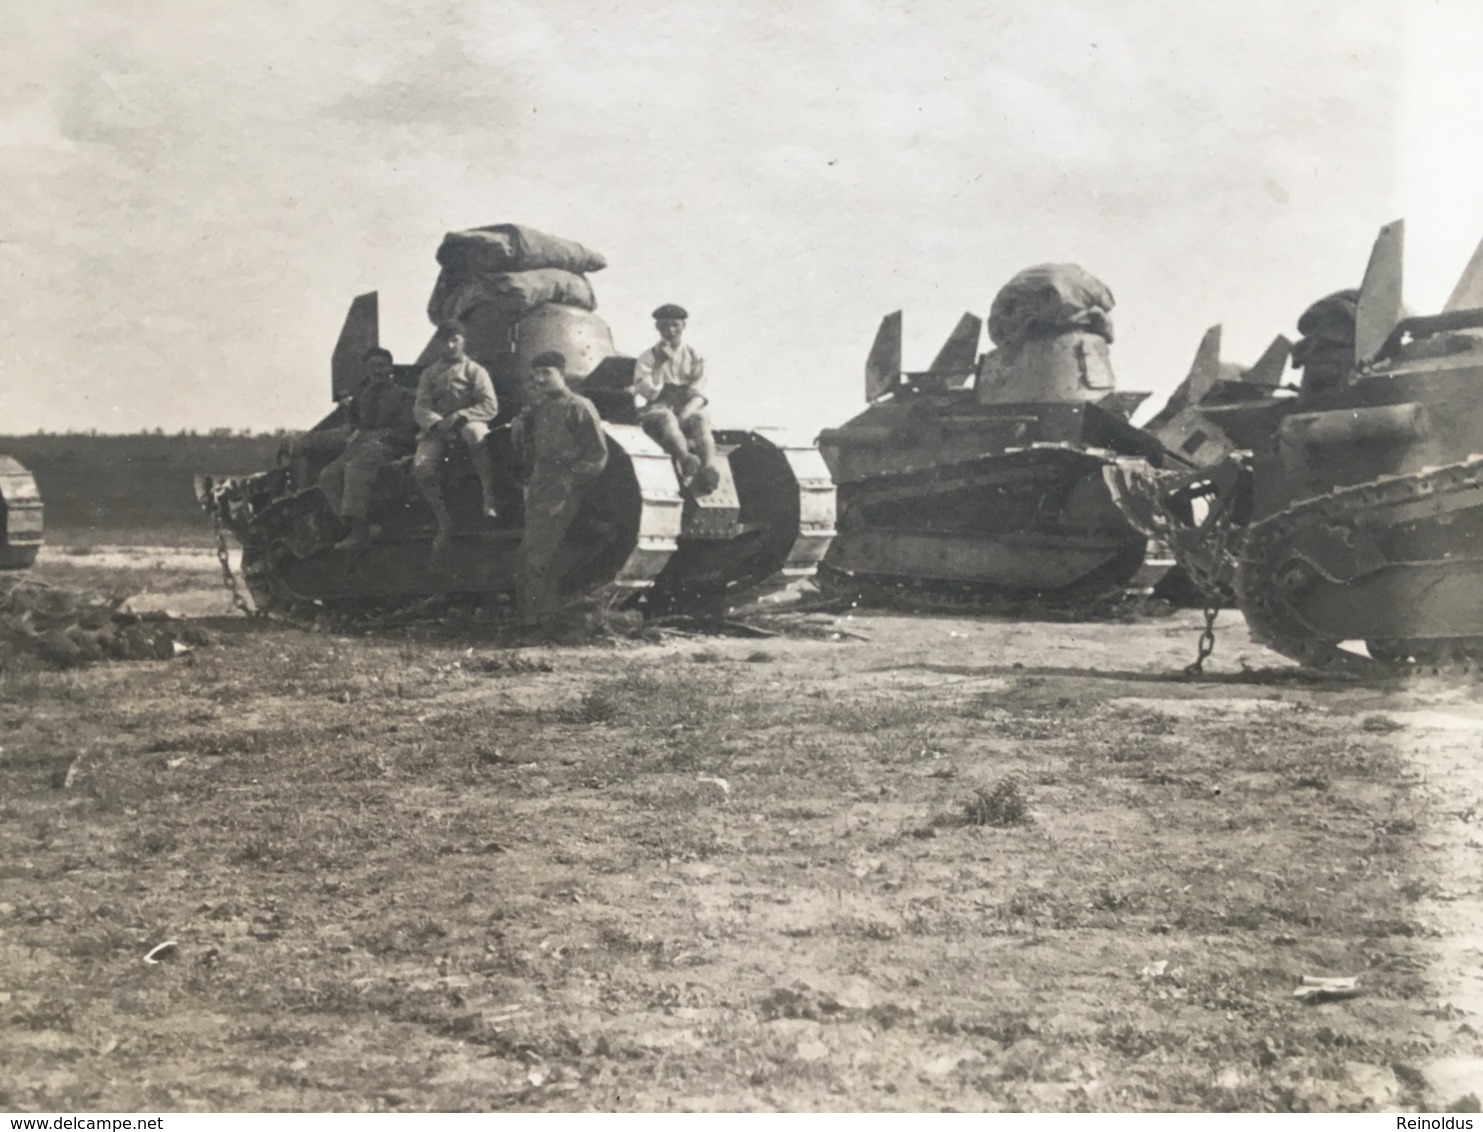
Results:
<point x="21" y="516"/>
<point x="621" y="538"/>
<point x="638" y="532"/>
<point x="1368" y="519"/>
<point x="986" y="498"/>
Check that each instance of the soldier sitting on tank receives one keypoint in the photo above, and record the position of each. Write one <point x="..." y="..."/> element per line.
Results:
<point x="561" y="436"/>
<point x="669" y="377"/>
<point x="454" y="396"/>
<point x="383" y="430"/>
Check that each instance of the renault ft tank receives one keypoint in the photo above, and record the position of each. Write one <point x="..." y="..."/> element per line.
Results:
<point x="20" y="516"/>
<point x="640" y="533"/>
<point x="1357" y="516"/>
<point x="981" y="476"/>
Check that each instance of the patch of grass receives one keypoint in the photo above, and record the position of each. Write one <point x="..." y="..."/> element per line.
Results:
<point x="919" y="744"/>
<point x="597" y="706"/>
<point x="857" y="718"/>
<point x="1002" y="805"/>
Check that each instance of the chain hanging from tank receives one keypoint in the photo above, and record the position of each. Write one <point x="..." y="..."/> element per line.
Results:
<point x="1209" y="585"/>
<point x="1207" y="641"/>
<point x="228" y="575"/>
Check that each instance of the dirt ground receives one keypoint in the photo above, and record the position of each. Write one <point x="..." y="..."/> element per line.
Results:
<point x="880" y="861"/>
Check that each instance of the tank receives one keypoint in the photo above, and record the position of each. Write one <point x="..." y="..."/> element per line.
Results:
<point x="20" y="516"/>
<point x="980" y="477"/>
<point x="640" y="539"/>
<point x="1350" y="521"/>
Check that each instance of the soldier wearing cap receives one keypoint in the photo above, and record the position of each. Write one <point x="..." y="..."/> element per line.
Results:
<point x="383" y="430"/>
<point x="669" y="377"/>
<point x="454" y="396"/>
<point x="321" y="447"/>
<point x="561" y="436"/>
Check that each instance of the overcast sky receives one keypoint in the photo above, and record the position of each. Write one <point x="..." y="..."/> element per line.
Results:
<point x="192" y="190"/>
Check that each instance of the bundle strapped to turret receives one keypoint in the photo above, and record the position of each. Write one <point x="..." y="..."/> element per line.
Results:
<point x="512" y="268"/>
<point x="1047" y="300"/>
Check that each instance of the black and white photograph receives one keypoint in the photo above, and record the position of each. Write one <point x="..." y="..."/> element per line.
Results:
<point x="784" y="556"/>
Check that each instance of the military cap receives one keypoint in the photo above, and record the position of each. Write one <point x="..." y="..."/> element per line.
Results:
<point x="377" y="352"/>
<point x="552" y="358"/>
<point x="670" y="311"/>
<point x="449" y="328"/>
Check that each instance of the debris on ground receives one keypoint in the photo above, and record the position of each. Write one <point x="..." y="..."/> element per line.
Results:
<point x="720" y="783"/>
<point x="1319" y="988"/>
<point x="1380" y="724"/>
<point x="506" y="664"/>
<point x="162" y="951"/>
<point x="65" y="628"/>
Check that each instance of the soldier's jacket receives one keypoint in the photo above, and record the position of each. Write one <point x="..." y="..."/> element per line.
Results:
<point x="669" y="376"/>
<point x="385" y="407"/>
<point x="562" y="435"/>
<point x="447" y="387"/>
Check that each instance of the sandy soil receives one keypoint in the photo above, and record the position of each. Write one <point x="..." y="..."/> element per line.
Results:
<point x="879" y="862"/>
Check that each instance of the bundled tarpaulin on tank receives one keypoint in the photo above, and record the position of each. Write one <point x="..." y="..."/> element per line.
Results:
<point x="515" y="247"/>
<point x="1330" y="320"/>
<point x="513" y="293"/>
<point x="513" y="268"/>
<point x="1048" y="300"/>
<point x="1325" y="352"/>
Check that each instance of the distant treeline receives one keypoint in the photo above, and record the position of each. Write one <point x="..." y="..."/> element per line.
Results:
<point x="132" y="490"/>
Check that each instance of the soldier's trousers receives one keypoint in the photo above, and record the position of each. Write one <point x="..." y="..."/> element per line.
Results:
<point x="315" y="449"/>
<point x="677" y="431"/>
<point x="552" y="500"/>
<point x="348" y="479"/>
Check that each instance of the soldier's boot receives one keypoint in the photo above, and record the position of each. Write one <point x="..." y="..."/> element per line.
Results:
<point x="432" y="491"/>
<point x="702" y="444"/>
<point x="444" y="538"/>
<point x="706" y="480"/>
<point x="484" y="467"/>
<point x="360" y="534"/>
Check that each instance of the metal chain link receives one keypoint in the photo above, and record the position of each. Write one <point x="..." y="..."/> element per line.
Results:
<point x="1210" y="586"/>
<point x="229" y="577"/>
<point x="1207" y="642"/>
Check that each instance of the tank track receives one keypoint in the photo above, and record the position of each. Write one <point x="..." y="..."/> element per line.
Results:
<point x="816" y="516"/>
<point x="1100" y="591"/>
<point x="1102" y="587"/>
<point x="1272" y="623"/>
